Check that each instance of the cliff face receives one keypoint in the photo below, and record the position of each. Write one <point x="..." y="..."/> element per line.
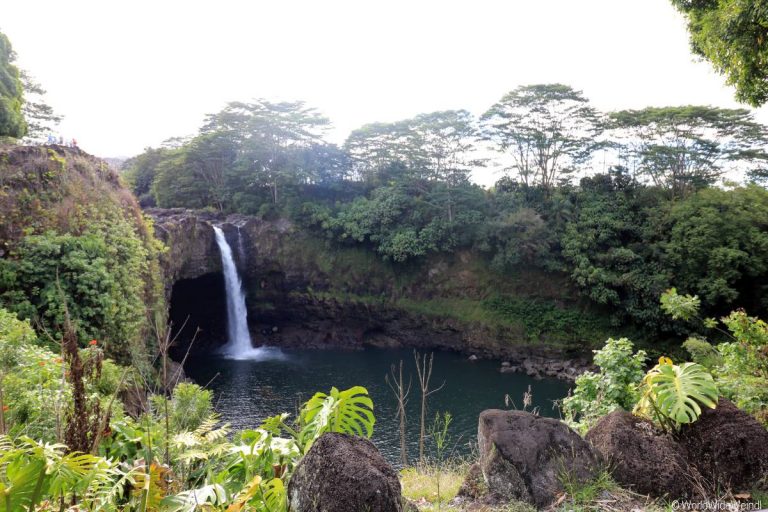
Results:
<point x="306" y="292"/>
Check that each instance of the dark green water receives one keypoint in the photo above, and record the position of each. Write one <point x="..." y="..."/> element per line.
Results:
<point x="247" y="391"/>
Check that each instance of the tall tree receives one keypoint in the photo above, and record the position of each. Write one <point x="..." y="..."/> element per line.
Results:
<point x="548" y="130"/>
<point x="12" y="122"/>
<point x="380" y="151"/>
<point x="437" y="146"/>
<point x="141" y="170"/>
<point x="685" y="148"/>
<point x="271" y="136"/>
<point x="733" y="36"/>
<point x="41" y="118"/>
<point x="446" y="142"/>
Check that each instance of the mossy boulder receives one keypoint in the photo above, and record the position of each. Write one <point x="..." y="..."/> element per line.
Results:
<point x="343" y="473"/>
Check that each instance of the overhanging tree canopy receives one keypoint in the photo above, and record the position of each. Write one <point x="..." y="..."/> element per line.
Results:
<point x="12" y="122"/>
<point x="733" y="36"/>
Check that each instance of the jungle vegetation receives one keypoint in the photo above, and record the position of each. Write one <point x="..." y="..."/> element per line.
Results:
<point x="623" y="233"/>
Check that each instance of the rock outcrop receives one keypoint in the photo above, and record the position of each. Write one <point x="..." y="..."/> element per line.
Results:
<point x="643" y="458"/>
<point x="728" y="446"/>
<point x="191" y="243"/>
<point x="524" y="456"/>
<point x="342" y="473"/>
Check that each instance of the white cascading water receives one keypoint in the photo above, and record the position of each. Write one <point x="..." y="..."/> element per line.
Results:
<point x="239" y="344"/>
<point x="239" y="339"/>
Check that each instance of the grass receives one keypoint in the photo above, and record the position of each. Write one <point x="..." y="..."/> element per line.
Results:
<point x="420" y="482"/>
<point x="419" y="485"/>
<point x="601" y="493"/>
<point x="598" y="494"/>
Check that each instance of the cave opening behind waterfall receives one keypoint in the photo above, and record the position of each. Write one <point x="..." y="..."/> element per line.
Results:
<point x="201" y="303"/>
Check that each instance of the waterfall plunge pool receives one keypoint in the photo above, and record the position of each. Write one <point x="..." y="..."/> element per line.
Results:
<point x="251" y="384"/>
<point x="248" y="391"/>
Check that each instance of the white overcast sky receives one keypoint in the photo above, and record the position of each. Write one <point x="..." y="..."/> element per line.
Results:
<point x="128" y="75"/>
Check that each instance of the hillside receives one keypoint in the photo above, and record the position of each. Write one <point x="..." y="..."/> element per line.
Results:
<point x="72" y="238"/>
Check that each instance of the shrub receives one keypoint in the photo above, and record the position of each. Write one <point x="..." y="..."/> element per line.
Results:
<point x="614" y="386"/>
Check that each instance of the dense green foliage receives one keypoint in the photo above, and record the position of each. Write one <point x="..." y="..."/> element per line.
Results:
<point x="74" y="240"/>
<point x="36" y="394"/>
<point x="739" y="364"/>
<point x="613" y="386"/>
<point x="403" y="191"/>
<point x="674" y="394"/>
<point x="12" y="122"/>
<point x="733" y="36"/>
<point x="174" y="457"/>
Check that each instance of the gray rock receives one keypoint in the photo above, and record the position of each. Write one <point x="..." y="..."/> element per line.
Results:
<point x="524" y="456"/>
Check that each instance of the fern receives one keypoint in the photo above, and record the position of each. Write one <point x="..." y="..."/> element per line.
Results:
<point x="195" y="499"/>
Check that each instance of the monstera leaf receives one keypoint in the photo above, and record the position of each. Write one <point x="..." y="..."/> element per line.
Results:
<point x="348" y="412"/>
<point x="677" y="392"/>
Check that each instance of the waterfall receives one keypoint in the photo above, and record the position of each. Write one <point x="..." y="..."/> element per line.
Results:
<point x="239" y="344"/>
<point x="238" y="338"/>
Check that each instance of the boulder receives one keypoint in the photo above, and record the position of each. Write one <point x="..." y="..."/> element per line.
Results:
<point x="524" y="456"/>
<point x="343" y="473"/>
<point x="473" y="486"/>
<point x="642" y="457"/>
<point x="728" y="446"/>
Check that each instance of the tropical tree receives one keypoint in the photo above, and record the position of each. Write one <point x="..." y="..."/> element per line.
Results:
<point x="41" y="118"/>
<point x="270" y="138"/>
<point x="547" y="130"/>
<point x="733" y="36"/>
<point x="437" y="146"/>
<point x="379" y="152"/>
<point x="12" y="122"/>
<point x="685" y="148"/>
<point x="141" y="171"/>
<point x="610" y="248"/>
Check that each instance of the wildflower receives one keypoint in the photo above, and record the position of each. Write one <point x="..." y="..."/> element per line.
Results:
<point x="93" y="343"/>
<point x="41" y="363"/>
